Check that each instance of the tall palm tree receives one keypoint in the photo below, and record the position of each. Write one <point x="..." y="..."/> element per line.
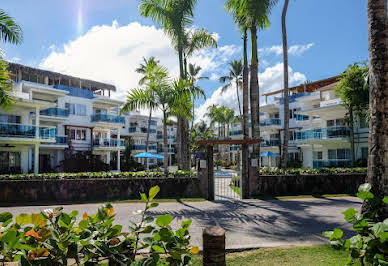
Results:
<point x="174" y="16"/>
<point x="378" y="86"/>
<point x="10" y="32"/>
<point x="159" y="94"/>
<point x="192" y="76"/>
<point x="152" y="72"/>
<point x="284" y="159"/>
<point x="235" y="75"/>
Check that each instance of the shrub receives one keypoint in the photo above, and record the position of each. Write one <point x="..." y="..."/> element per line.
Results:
<point x="52" y="238"/>
<point x="86" y="175"/>
<point x="301" y="171"/>
<point x="370" y="245"/>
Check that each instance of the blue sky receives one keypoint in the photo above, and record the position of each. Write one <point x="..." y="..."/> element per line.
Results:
<point x="326" y="35"/>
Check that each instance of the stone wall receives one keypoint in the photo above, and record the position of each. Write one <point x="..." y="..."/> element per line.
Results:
<point x="306" y="184"/>
<point x="81" y="190"/>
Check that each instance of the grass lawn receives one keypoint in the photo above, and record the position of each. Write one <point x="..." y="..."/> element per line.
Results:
<point x="236" y="189"/>
<point x="307" y="255"/>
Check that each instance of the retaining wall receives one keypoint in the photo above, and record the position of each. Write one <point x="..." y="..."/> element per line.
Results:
<point x="306" y="184"/>
<point x="81" y="190"/>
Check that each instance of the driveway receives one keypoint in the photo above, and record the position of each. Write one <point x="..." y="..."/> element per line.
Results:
<point x="248" y="223"/>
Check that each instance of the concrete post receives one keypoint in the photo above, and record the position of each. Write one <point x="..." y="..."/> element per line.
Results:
<point x="118" y="152"/>
<point x="213" y="246"/>
<point x="205" y="173"/>
<point x="46" y="80"/>
<point x="254" y="176"/>
<point x="245" y="170"/>
<point x="37" y="122"/>
<point x="36" y="158"/>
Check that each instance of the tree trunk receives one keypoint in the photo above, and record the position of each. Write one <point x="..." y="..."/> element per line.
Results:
<point x="254" y="92"/>
<point x="286" y="137"/>
<point x="178" y="143"/>
<point x="148" y="134"/>
<point x="165" y="144"/>
<point x="181" y="135"/>
<point x="238" y="100"/>
<point x="378" y="97"/>
<point x="245" y="148"/>
<point x="351" y="137"/>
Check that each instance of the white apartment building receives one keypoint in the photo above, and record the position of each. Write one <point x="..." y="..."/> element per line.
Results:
<point x="53" y="114"/>
<point x="319" y="136"/>
<point x="171" y="140"/>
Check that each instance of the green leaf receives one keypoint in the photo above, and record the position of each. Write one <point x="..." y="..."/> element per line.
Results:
<point x="153" y="192"/>
<point x="378" y="228"/>
<point x="337" y="234"/>
<point x="349" y="214"/>
<point x="365" y="187"/>
<point x="327" y="234"/>
<point x="23" y="219"/>
<point x="158" y="248"/>
<point x="116" y="229"/>
<point x="144" y="197"/>
<point x="74" y="214"/>
<point x="364" y="195"/>
<point x="83" y="224"/>
<point x="383" y="236"/>
<point x="385" y="199"/>
<point x="9" y="236"/>
<point x="148" y="229"/>
<point x="154" y="204"/>
<point x="187" y="223"/>
<point x="5" y="216"/>
<point x="164" y="220"/>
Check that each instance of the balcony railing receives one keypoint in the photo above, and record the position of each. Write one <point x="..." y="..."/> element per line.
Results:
<point x="26" y="131"/>
<point x="322" y="133"/>
<point x="141" y="130"/>
<point x="331" y="163"/>
<point x="270" y="122"/>
<point x="142" y="147"/>
<point x="58" y="112"/>
<point x="236" y="132"/>
<point x="302" y="117"/>
<point x="61" y="139"/>
<point x="270" y="143"/>
<point x="107" y="143"/>
<point x="108" y="118"/>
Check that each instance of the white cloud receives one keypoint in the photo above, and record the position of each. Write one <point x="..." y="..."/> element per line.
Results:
<point x="270" y="79"/>
<point x="297" y="49"/>
<point x="111" y="53"/>
<point x="15" y="59"/>
<point x="214" y="76"/>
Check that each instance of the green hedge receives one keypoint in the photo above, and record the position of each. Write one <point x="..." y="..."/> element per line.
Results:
<point x="86" y="175"/>
<point x="303" y="171"/>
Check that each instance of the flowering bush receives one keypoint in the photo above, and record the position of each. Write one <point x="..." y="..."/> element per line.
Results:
<point x="52" y="237"/>
<point x="86" y="175"/>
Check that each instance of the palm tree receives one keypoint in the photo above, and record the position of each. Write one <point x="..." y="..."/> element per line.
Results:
<point x="378" y="86"/>
<point x="174" y="17"/>
<point x="152" y="72"/>
<point x="284" y="159"/>
<point x="10" y="32"/>
<point x="235" y="75"/>
<point x="193" y="78"/>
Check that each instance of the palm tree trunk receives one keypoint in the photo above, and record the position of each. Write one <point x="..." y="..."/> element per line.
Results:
<point x="245" y="148"/>
<point x="178" y="143"/>
<point x="165" y="144"/>
<point x="254" y="93"/>
<point x="286" y="136"/>
<point x="238" y="100"/>
<point x="148" y="134"/>
<point x="378" y="91"/>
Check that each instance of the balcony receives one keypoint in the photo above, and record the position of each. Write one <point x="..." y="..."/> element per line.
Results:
<point x="142" y="147"/>
<point x="26" y="131"/>
<point x="141" y="130"/>
<point x="322" y="133"/>
<point x="236" y="132"/>
<point x="270" y="143"/>
<point x="106" y="143"/>
<point x="108" y="118"/>
<point x="55" y="112"/>
<point x="61" y="140"/>
<point x="331" y="163"/>
<point x="302" y="117"/>
<point x="270" y="122"/>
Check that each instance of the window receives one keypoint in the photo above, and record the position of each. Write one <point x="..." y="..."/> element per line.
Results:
<point x="9" y="162"/>
<point x="364" y="153"/>
<point x="343" y="154"/>
<point x="78" y="134"/>
<point x="99" y="111"/>
<point x="318" y="155"/>
<point x="332" y="154"/>
<point x="13" y="119"/>
<point x="340" y="122"/>
<point x="76" y="109"/>
<point x="330" y="123"/>
<point x="363" y="122"/>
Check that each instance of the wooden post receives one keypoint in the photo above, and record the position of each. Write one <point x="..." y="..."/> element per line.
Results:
<point x="213" y="246"/>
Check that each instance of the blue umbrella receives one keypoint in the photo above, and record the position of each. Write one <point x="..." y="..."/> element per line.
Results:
<point x="149" y="155"/>
<point x="269" y="154"/>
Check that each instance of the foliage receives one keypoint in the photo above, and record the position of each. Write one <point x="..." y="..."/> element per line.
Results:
<point x="370" y="245"/>
<point x="98" y="175"/>
<point x="82" y="162"/>
<point x="10" y="31"/>
<point x="6" y="98"/>
<point x="303" y="171"/>
<point x="52" y="238"/>
<point x="128" y="163"/>
<point x="294" y="163"/>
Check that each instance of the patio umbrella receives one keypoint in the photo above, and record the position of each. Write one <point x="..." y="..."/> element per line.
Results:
<point x="269" y="154"/>
<point x="149" y="155"/>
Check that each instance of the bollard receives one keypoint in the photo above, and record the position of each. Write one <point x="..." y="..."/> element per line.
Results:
<point x="213" y="246"/>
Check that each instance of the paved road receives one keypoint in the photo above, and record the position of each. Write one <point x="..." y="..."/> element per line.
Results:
<point x="248" y="223"/>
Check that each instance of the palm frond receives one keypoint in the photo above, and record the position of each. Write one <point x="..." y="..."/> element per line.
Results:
<point x="10" y="31"/>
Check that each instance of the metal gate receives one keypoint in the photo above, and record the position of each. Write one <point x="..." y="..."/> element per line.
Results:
<point x="227" y="185"/>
